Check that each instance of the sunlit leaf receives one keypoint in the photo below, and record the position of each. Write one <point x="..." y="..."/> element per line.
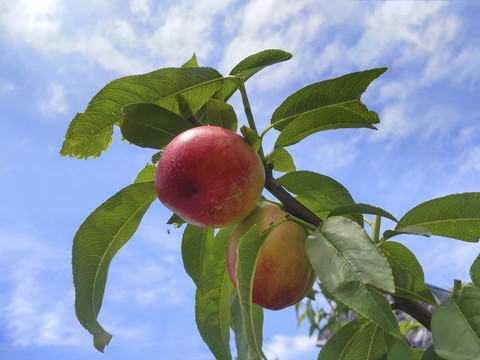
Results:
<point x="251" y="137"/>
<point x="90" y="132"/>
<point x="146" y="174"/>
<point x="197" y="244"/>
<point x="150" y="125"/>
<point x="253" y="64"/>
<point x="455" y="216"/>
<point x="330" y="117"/>
<point x="192" y="62"/>
<point x="248" y="252"/>
<point x="344" y="91"/>
<point x="456" y="326"/>
<point x="212" y="308"/>
<point x="358" y="339"/>
<point x="350" y="265"/>
<point x="221" y="114"/>
<point x="282" y="160"/>
<point x="96" y="242"/>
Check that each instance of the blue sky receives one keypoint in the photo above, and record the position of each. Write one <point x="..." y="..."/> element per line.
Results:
<point x="55" y="55"/>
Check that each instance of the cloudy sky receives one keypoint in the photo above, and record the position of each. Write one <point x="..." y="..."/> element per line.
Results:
<point x="55" y="55"/>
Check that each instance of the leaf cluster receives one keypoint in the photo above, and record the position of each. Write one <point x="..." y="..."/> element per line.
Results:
<point x="359" y="270"/>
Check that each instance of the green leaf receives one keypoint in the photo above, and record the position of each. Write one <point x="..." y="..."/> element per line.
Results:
<point x="358" y="339"/>
<point x="361" y="209"/>
<point x="281" y="159"/>
<point x="455" y="216"/>
<point x="176" y="221"/>
<point x="475" y="272"/>
<point x="430" y="354"/>
<point x="251" y="137"/>
<point x="320" y="193"/>
<point x="197" y="244"/>
<point x="221" y="114"/>
<point x="90" y="132"/>
<point x="191" y="63"/>
<point x="243" y="351"/>
<point x="150" y="125"/>
<point x="414" y="230"/>
<point x="330" y="117"/>
<point x="253" y="64"/>
<point x="343" y="91"/>
<point x="408" y="286"/>
<point x="407" y="273"/>
<point x="97" y="240"/>
<point x="212" y="308"/>
<point x="146" y="174"/>
<point x="400" y="352"/>
<point x="248" y="252"/>
<point x="349" y="264"/>
<point x="456" y="326"/>
<point x="400" y="256"/>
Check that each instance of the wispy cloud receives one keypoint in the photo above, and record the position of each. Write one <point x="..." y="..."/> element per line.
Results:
<point x="284" y="347"/>
<point x="36" y="311"/>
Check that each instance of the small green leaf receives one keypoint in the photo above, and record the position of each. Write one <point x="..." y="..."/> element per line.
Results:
<point x="251" y="137"/>
<point x="414" y="230"/>
<point x="320" y="193"/>
<point x="156" y="157"/>
<point x="455" y="216"/>
<point x="343" y="91"/>
<point x="176" y="221"/>
<point x="281" y="159"/>
<point x="348" y="264"/>
<point x="221" y="114"/>
<point x="90" y="132"/>
<point x="475" y="272"/>
<point x="361" y="209"/>
<point x="456" y="326"/>
<point x="248" y="252"/>
<point x="191" y="63"/>
<point x="96" y="242"/>
<point x="253" y="64"/>
<point x="358" y="339"/>
<point x="150" y="125"/>
<point x="197" y="244"/>
<point x="212" y="308"/>
<point x="330" y="117"/>
<point x="146" y="174"/>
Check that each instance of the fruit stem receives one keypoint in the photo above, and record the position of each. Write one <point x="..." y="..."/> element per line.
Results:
<point x="376" y="228"/>
<point x="301" y="222"/>
<point x="248" y="111"/>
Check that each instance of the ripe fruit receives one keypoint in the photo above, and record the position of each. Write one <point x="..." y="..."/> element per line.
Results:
<point x="210" y="177"/>
<point x="283" y="275"/>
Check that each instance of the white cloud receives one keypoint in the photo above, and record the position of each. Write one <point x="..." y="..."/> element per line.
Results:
<point x="32" y="21"/>
<point x="35" y="311"/>
<point x="54" y="101"/>
<point x="6" y="86"/>
<point x="284" y="347"/>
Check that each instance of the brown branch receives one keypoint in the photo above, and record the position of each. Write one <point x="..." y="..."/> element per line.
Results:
<point x="194" y="121"/>
<point x="414" y="309"/>
<point x="290" y="204"/>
